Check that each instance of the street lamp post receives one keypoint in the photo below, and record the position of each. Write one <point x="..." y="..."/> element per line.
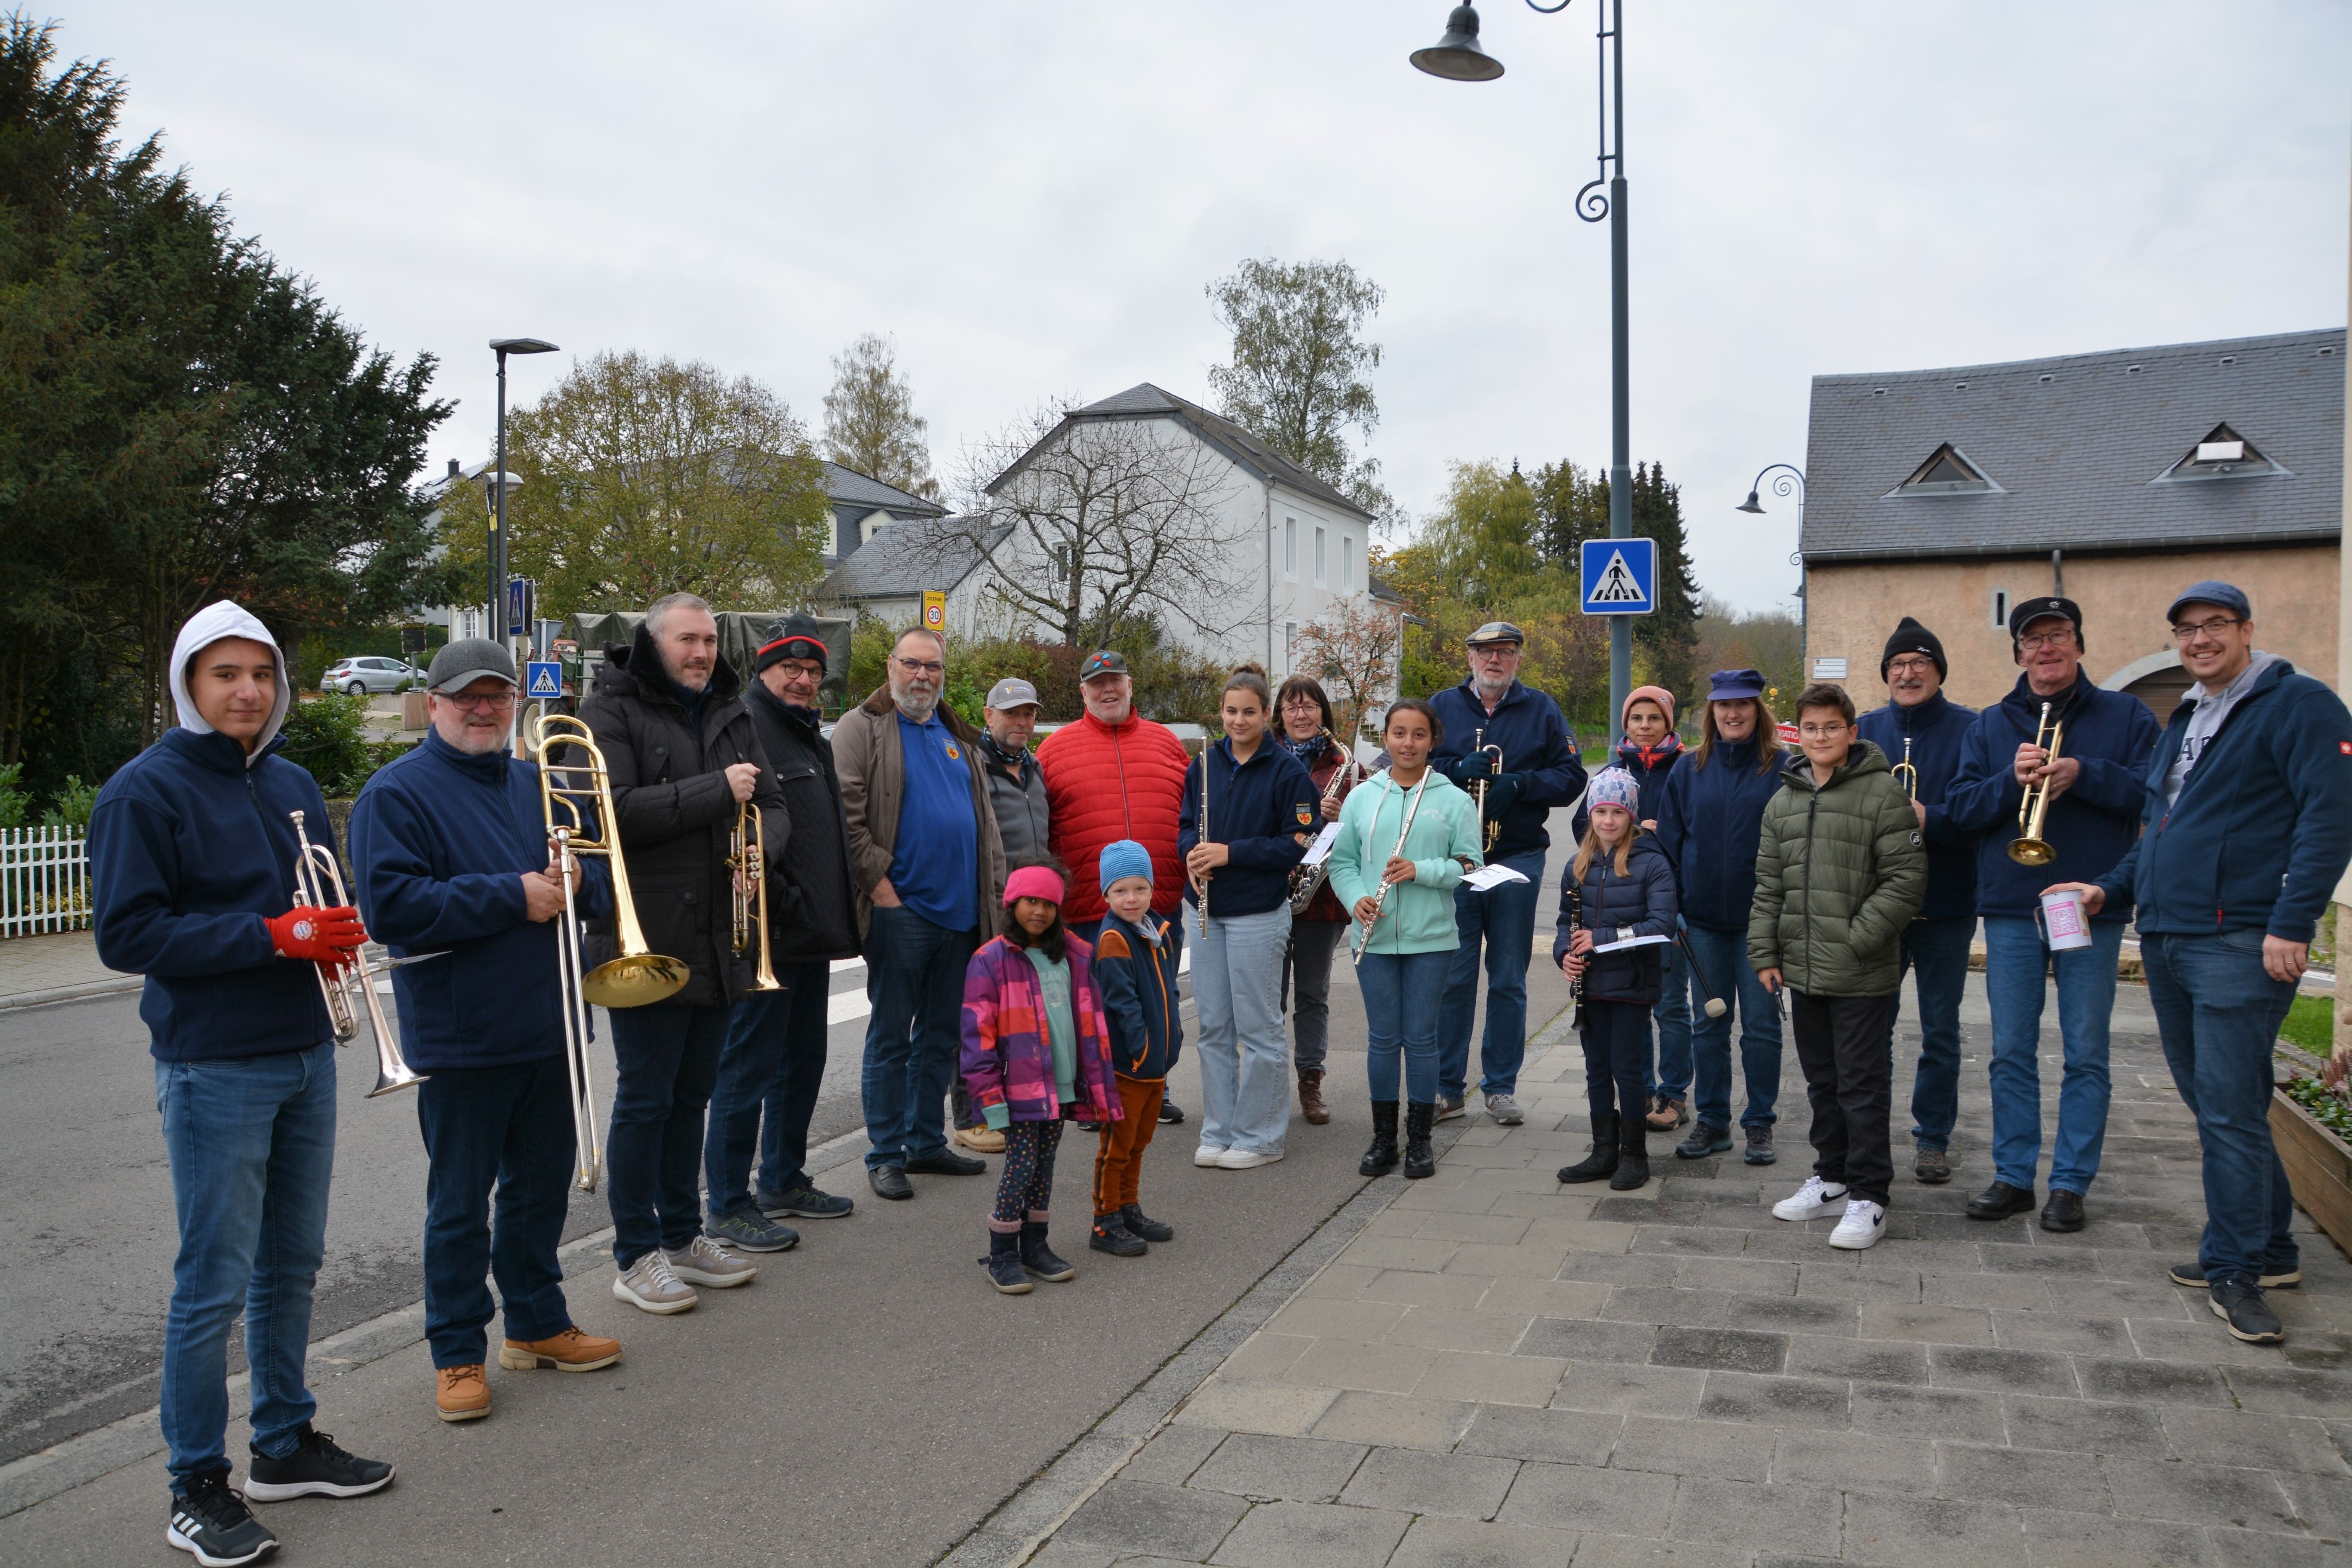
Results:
<point x="1788" y="479"/>
<point x="1457" y="56"/>
<point x="500" y="483"/>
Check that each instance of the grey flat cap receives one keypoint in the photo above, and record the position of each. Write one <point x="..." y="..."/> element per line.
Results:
<point x="467" y="660"/>
<point x="1496" y="631"/>
<point x="1012" y="692"/>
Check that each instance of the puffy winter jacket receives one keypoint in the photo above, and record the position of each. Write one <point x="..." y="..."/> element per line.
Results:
<point x="2261" y="828"/>
<point x="1708" y="818"/>
<point x="1016" y="790"/>
<point x="1109" y="782"/>
<point x="2092" y="826"/>
<point x="1937" y="729"/>
<point x="1008" y="1059"/>
<point x="1840" y="871"/>
<point x="1142" y="1011"/>
<point x="1613" y="907"/>
<point x="1417" y="916"/>
<point x="669" y="791"/>
<point x="820" y="922"/>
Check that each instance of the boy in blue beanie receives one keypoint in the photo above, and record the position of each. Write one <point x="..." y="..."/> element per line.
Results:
<point x="1135" y="968"/>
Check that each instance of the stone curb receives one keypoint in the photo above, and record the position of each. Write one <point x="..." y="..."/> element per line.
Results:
<point x="72" y="992"/>
<point x="1025" y="1521"/>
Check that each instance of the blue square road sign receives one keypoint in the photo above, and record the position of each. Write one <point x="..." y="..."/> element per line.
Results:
<point x="544" y="680"/>
<point x="1619" y="576"/>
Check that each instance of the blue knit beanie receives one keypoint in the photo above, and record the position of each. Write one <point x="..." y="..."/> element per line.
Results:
<point x="1615" y="786"/>
<point x="1125" y="858"/>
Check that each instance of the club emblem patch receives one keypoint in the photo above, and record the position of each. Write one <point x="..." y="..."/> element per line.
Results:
<point x="1306" y="816"/>
<point x="304" y="931"/>
<point x="954" y="755"/>
<point x="1916" y="839"/>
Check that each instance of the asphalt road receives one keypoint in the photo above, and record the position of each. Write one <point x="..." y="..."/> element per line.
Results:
<point x="865" y="1401"/>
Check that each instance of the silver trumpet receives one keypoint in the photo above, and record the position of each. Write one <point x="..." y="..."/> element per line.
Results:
<point x="319" y="884"/>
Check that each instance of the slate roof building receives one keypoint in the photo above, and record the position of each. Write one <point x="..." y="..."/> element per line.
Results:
<point x="863" y="506"/>
<point x="2114" y="478"/>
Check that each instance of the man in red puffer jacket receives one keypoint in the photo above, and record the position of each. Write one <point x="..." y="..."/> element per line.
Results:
<point x="1115" y="775"/>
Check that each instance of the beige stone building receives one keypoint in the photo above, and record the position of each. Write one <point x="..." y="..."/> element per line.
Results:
<point x="2117" y="479"/>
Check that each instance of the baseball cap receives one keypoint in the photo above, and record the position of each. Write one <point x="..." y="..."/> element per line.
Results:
<point x="1012" y="692"/>
<point x="461" y="663"/>
<point x="1102" y="662"/>
<point x="2042" y="608"/>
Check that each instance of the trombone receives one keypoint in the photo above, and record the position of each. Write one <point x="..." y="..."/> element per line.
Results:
<point x="747" y="857"/>
<point x="2029" y="848"/>
<point x="1478" y="748"/>
<point x="319" y="884"/>
<point x="1905" y="774"/>
<point x="637" y="975"/>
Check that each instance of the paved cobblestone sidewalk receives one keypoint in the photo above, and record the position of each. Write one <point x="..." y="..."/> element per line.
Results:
<point x="1496" y="1370"/>
<point x="55" y="968"/>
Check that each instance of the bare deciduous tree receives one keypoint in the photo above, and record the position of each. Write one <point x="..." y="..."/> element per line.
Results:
<point x="1095" y="524"/>
<point x="1353" y="648"/>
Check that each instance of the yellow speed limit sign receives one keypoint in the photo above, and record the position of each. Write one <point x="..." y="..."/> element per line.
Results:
<point x="935" y="612"/>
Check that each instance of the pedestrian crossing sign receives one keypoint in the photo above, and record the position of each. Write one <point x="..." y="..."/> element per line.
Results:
<point x="545" y="680"/>
<point x="1621" y="576"/>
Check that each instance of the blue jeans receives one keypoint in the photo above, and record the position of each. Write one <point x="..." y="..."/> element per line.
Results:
<point x="1402" y="992"/>
<point x="667" y="1055"/>
<point x="2218" y="1013"/>
<point x="252" y="1145"/>
<point x="2016" y="964"/>
<point x="1245" y="1053"/>
<point x="1671" y="1077"/>
<point x="508" y="1129"/>
<point x="914" y="976"/>
<point x="769" y="1063"/>
<point x="1505" y="918"/>
<point x="1722" y="958"/>
<point x="1935" y="953"/>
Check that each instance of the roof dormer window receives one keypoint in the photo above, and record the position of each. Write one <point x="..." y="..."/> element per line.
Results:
<point x="2221" y="455"/>
<point x="1947" y="472"/>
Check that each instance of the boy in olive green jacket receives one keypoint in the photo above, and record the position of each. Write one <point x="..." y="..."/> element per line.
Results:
<point x="1840" y="869"/>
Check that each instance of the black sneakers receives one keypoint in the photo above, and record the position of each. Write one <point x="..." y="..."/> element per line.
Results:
<point x="1111" y="1236"/>
<point x="211" y="1520"/>
<point x="2250" y="1318"/>
<point x="1143" y="1225"/>
<point x="2192" y="1275"/>
<point x="1171" y="1113"/>
<point x="316" y="1467"/>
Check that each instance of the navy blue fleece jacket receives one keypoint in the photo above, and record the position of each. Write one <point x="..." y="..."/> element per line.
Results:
<point x="1709" y="819"/>
<point x="1258" y="810"/>
<point x="1538" y="752"/>
<point x="1937" y="729"/>
<point x="2262" y="826"/>
<point x="189" y="850"/>
<point x="439" y="842"/>
<point x="2092" y="826"/>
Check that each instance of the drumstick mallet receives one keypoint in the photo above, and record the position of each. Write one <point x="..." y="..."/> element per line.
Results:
<point x="1715" y="1007"/>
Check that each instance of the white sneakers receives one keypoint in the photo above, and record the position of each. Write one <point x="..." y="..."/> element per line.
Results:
<point x="1863" y="1224"/>
<point x="1812" y="1200"/>
<point x="1246" y="1159"/>
<point x="1207" y="1155"/>
<point x="703" y="1261"/>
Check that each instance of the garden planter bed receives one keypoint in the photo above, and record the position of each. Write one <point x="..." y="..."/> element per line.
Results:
<point x="2318" y="1167"/>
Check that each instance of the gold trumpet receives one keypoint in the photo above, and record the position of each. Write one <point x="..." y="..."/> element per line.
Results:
<point x="2029" y="848"/>
<point x="319" y="884"/>
<point x="1479" y="748"/>
<point x="747" y="859"/>
<point x="1905" y="774"/>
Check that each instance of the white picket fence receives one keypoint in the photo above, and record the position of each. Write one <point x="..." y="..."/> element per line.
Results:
<point x="44" y="880"/>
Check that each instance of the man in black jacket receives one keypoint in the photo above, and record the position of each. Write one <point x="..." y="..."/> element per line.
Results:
<point x="774" y="1056"/>
<point x="669" y="716"/>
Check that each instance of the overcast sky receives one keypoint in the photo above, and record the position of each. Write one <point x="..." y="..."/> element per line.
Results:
<point x="1031" y="196"/>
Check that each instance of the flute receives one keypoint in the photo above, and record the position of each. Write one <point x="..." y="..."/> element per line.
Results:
<point x="1380" y="897"/>
<point x="1201" y="881"/>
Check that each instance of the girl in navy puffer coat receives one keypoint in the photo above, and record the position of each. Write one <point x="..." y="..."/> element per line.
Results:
<point x="1617" y="889"/>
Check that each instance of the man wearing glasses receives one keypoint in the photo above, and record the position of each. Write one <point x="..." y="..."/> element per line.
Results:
<point x="2095" y="786"/>
<point x="929" y="868"/>
<point x="2249" y="823"/>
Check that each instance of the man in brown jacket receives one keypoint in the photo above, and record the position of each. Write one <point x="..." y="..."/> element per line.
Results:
<point x="910" y="777"/>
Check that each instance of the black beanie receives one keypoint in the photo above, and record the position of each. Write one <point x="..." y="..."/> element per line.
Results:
<point x="1913" y="638"/>
<point x="793" y="636"/>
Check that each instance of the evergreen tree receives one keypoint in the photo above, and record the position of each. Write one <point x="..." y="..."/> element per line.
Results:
<point x="1301" y="369"/>
<point x="870" y="423"/>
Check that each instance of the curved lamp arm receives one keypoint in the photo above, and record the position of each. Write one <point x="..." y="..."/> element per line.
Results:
<point x="1790" y="482"/>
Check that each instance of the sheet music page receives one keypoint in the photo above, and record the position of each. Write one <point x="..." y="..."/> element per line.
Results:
<point x="1320" y="850"/>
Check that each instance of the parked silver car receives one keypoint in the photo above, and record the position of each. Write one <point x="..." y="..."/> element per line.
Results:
<point x="358" y="677"/>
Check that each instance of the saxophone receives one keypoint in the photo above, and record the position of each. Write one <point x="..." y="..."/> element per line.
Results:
<point x="1305" y="882"/>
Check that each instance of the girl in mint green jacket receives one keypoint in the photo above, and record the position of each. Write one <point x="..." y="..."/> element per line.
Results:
<point x="1407" y="942"/>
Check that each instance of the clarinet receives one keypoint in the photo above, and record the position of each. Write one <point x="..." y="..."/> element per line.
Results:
<point x="1575" y="920"/>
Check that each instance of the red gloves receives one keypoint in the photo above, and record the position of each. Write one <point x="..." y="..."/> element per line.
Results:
<point x="322" y="936"/>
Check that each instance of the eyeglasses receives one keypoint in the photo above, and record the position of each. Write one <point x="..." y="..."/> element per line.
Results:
<point x="1302" y="705"/>
<point x="2189" y="631"/>
<point x="920" y="665"/>
<point x="1821" y="731"/>
<point x="1911" y="667"/>
<point x="2041" y="640"/>
<point x="491" y="702"/>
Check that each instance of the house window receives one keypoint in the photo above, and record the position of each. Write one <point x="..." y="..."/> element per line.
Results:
<point x="1947" y="472"/>
<point x="1347" y="562"/>
<point x="2221" y="455"/>
<point x="1319" y="555"/>
<point x="1290" y="648"/>
<point x="2001" y="608"/>
<point x="1290" y="547"/>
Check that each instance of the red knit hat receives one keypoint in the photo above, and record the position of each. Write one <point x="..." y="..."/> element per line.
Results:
<point x="1033" y="883"/>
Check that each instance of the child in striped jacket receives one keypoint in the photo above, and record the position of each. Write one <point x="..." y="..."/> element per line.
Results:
<point x="1035" y="1054"/>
